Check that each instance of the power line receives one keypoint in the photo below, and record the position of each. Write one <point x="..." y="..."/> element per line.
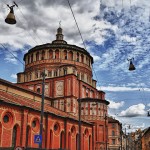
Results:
<point x="28" y="32"/>
<point x="81" y="35"/>
<point x="26" y="20"/>
<point x="77" y="25"/>
<point x="12" y="54"/>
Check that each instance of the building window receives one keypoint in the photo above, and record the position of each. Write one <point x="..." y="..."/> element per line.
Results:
<point x="73" y="131"/>
<point x="113" y="125"/>
<point x="70" y="55"/>
<point x="82" y="58"/>
<point x="38" y="90"/>
<point x="55" y="73"/>
<point x="56" y="128"/>
<point x="113" y="141"/>
<point x="43" y="55"/>
<point x="77" y="57"/>
<point x="34" y="123"/>
<point x="86" y="132"/>
<point x="82" y="77"/>
<point x="57" y="54"/>
<point x="37" y="56"/>
<point x="50" y="74"/>
<point x="65" y="54"/>
<point x="6" y="119"/>
<point x="65" y="71"/>
<point x="14" y="136"/>
<point x="50" y="54"/>
<point x="113" y="133"/>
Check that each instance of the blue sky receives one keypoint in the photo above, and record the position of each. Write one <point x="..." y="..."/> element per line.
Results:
<point x="113" y="31"/>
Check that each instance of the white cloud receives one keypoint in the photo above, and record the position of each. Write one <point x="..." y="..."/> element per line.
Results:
<point x="115" y="105"/>
<point x="13" y="76"/>
<point x="121" y="88"/>
<point x="133" y="111"/>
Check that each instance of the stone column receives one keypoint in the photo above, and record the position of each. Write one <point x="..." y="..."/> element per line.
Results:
<point x="53" y="54"/>
<point x="34" y="57"/>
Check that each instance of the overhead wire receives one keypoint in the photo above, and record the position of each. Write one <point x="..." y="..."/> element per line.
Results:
<point x="77" y="25"/>
<point x="28" y="31"/>
<point x="80" y="35"/>
<point x="32" y="30"/>
<point x="12" y="54"/>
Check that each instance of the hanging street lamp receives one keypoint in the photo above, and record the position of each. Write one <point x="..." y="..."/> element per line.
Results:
<point x="10" y="19"/>
<point x="131" y="66"/>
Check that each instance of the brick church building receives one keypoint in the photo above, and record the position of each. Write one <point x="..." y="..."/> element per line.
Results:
<point x="68" y="70"/>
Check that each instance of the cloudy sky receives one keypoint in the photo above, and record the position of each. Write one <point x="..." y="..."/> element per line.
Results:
<point x="113" y="31"/>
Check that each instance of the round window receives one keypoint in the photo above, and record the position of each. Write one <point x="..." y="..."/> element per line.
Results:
<point x="34" y="123"/>
<point x="73" y="130"/>
<point x="56" y="127"/>
<point x="6" y="119"/>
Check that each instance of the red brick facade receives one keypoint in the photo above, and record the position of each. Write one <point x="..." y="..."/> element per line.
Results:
<point x="114" y="134"/>
<point x="69" y="77"/>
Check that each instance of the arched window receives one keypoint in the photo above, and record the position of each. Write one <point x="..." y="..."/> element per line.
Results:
<point x="51" y="139"/>
<point x="55" y="73"/>
<point x="43" y="55"/>
<point x="70" y="55"/>
<point x="57" y="54"/>
<point x="38" y="90"/>
<point x="65" y="54"/>
<point x="62" y="140"/>
<point x="50" y="54"/>
<point x="77" y="57"/>
<point x="82" y="58"/>
<point x="50" y="73"/>
<point x="15" y="136"/>
<point x="69" y="140"/>
<point x="82" y="77"/>
<point x="65" y="71"/>
<point x="113" y="133"/>
<point x="37" y="56"/>
<point x="28" y="137"/>
<point x="113" y="125"/>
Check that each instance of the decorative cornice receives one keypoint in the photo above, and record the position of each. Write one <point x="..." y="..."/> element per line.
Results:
<point x="97" y="100"/>
<point x="60" y="46"/>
